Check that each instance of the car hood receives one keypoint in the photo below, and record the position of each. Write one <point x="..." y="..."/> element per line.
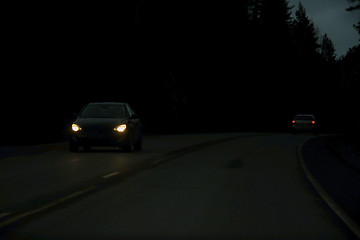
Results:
<point x="104" y="122"/>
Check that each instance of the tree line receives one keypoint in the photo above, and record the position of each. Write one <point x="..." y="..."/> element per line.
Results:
<point x="183" y="65"/>
<point x="252" y="59"/>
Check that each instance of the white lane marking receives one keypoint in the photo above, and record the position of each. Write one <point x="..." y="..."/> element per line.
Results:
<point x="78" y="193"/>
<point x="46" y="206"/>
<point x="326" y="197"/>
<point x="110" y="175"/>
<point x="4" y="214"/>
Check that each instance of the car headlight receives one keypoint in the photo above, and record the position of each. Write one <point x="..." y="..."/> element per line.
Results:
<point x="75" y="127"/>
<point x="120" y="128"/>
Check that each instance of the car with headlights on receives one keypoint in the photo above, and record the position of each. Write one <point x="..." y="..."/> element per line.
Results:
<point x="106" y="124"/>
<point x="304" y="123"/>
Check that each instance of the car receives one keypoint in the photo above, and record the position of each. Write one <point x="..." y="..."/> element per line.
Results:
<point x="106" y="124"/>
<point x="304" y="123"/>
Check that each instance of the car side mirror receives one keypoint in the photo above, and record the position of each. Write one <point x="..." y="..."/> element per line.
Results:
<point x="134" y="116"/>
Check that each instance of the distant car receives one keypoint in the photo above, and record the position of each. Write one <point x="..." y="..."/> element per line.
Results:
<point x="106" y="124"/>
<point x="304" y="122"/>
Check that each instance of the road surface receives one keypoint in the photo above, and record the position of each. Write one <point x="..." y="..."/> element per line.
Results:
<point x="200" y="186"/>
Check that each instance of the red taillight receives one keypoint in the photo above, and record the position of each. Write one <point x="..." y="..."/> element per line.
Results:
<point x="313" y="122"/>
<point x="293" y="121"/>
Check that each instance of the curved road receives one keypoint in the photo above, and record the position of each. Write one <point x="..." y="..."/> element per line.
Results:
<point x="205" y="186"/>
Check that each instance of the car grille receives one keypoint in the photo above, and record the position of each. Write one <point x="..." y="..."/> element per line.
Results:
<point x="95" y="132"/>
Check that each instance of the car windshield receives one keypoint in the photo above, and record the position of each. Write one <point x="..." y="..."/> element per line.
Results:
<point x="305" y="117"/>
<point x="103" y="111"/>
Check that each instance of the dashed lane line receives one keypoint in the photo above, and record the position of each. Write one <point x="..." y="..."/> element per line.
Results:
<point x="152" y="161"/>
<point x="111" y="174"/>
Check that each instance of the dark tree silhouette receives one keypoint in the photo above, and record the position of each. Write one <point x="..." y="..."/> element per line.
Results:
<point x="276" y="15"/>
<point x="177" y="62"/>
<point x="350" y="83"/>
<point x="275" y="23"/>
<point x="327" y="50"/>
<point x="353" y="8"/>
<point x="305" y="35"/>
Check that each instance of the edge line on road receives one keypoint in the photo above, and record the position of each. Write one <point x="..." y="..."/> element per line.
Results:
<point x="325" y="196"/>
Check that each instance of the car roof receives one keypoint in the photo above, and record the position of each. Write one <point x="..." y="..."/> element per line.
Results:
<point x="305" y="116"/>
<point x="107" y="103"/>
<point x="312" y="115"/>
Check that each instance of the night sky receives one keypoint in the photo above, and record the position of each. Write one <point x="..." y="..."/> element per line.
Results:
<point x="331" y="17"/>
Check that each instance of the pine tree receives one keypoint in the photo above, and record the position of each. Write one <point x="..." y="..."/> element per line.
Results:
<point x="276" y="15"/>
<point x="305" y="36"/>
<point x="327" y="50"/>
<point x="274" y="33"/>
<point x="254" y="10"/>
<point x="308" y="59"/>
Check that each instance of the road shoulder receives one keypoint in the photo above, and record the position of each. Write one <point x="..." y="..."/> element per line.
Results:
<point x="11" y="151"/>
<point x="335" y="181"/>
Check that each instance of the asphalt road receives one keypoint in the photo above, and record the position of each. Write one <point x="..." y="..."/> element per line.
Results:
<point x="208" y="186"/>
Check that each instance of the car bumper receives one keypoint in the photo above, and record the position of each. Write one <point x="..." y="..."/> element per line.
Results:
<point x="114" y="139"/>
<point x="303" y="128"/>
